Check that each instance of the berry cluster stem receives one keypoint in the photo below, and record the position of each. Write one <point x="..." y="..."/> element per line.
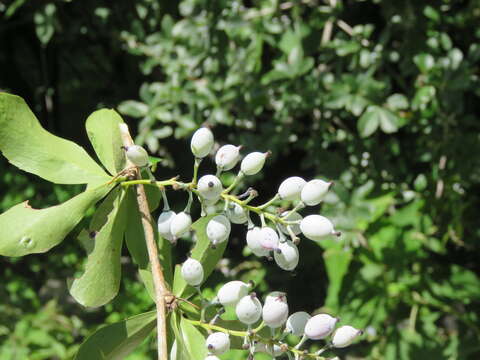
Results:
<point x="161" y="290"/>
<point x="243" y="334"/>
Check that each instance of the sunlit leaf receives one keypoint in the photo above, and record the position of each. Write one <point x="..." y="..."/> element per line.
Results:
<point x="24" y="230"/>
<point x="33" y="149"/>
<point x="104" y="134"/>
<point x="101" y="280"/>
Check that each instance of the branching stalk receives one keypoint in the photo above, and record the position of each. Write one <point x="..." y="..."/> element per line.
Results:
<point x="161" y="290"/>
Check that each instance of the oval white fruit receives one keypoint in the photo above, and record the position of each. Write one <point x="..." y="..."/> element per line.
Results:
<point x="192" y="272"/>
<point x="249" y="309"/>
<point x="275" y="312"/>
<point x="316" y="227"/>
<point x="320" y="326"/>
<point x="253" y="242"/>
<point x="287" y="255"/>
<point x="291" y="187"/>
<point x="163" y="224"/>
<point x="227" y="157"/>
<point x="209" y="187"/>
<point x="314" y="191"/>
<point x="202" y="142"/>
<point x="253" y="163"/>
<point x="345" y="335"/>
<point x="218" y="229"/>
<point x="296" y="323"/>
<point x="218" y="343"/>
<point x="180" y="224"/>
<point x="231" y="293"/>
<point x="137" y="155"/>
<point x="269" y="239"/>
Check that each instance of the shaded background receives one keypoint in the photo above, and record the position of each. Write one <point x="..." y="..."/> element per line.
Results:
<point x="380" y="96"/>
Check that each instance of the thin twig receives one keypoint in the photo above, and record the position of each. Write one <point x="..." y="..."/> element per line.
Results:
<point x="161" y="290"/>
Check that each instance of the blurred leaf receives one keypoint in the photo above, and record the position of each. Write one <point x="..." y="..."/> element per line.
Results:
<point x="104" y="134"/>
<point x="133" y="108"/>
<point x="45" y="23"/>
<point x="117" y="340"/>
<point x="337" y="263"/>
<point x="368" y="122"/>
<point x="24" y="230"/>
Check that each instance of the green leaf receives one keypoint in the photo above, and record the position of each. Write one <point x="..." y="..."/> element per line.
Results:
<point x="101" y="280"/>
<point x="24" y="230"/>
<point x="389" y="122"/>
<point x="397" y="102"/>
<point x="33" y="149"/>
<point x="117" y="340"/>
<point x="104" y="134"/>
<point x="202" y="252"/>
<point x="337" y="263"/>
<point x="133" y="108"/>
<point x="368" y="122"/>
<point x="189" y="342"/>
<point x="135" y="240"/>
<point x="193" y="340"/>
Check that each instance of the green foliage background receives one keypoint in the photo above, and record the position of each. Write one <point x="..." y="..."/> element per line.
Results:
<point x="380" y="96"/>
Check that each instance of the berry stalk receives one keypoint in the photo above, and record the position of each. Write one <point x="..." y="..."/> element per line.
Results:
<point x="161" y="290"/>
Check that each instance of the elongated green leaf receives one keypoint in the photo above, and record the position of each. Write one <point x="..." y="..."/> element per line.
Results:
<point x="24" y="230"/>
<point x="117" y="340"/>
<point x="104" y="134"/>
<point x="135" y="240"/>
<point x="202" y="252"/>
<point x="193" y="340"/>
<point x="337" y="262"/>
<point x="31" y="148"/>
<point x="101" y="280"/>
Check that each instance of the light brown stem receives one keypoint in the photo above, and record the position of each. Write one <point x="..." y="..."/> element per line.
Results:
<point x="161" y="290"/>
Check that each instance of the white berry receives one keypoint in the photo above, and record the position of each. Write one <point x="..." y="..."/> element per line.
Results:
<point x="180" y="224"/>
<point x="253" y="163"/>
<point x="275" y="310"/>
<point x="192" y="272"/>
<point x="237" y="214"/>
<point x="249" y="309"/>
<point x="163" y="223"/>
<point x="287" y="255"/>
<point x="218" y="343"/>
<point x="253" y="242"/>
<point x="345" y="335"/>
<point x="209" y="187"/>
<point x="296" y="323"/>
<point x="314" y="191"/>
<point x="231" y="293"/>
<point x="218" y="229"/>
<point x="269" y="238"/>
<point x="291" y="187"/>
<point x="316" y="227"/>
<point x="137" y="155"/>
<point x="294" y="216"/>
<point x="202" y="142"/>
<point x="320" y="326"/>
<point x="227" y="157"/>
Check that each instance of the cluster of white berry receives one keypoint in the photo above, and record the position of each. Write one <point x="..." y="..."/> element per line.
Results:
<point x="279" y="239"/>
<point x="274" y="313"/>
